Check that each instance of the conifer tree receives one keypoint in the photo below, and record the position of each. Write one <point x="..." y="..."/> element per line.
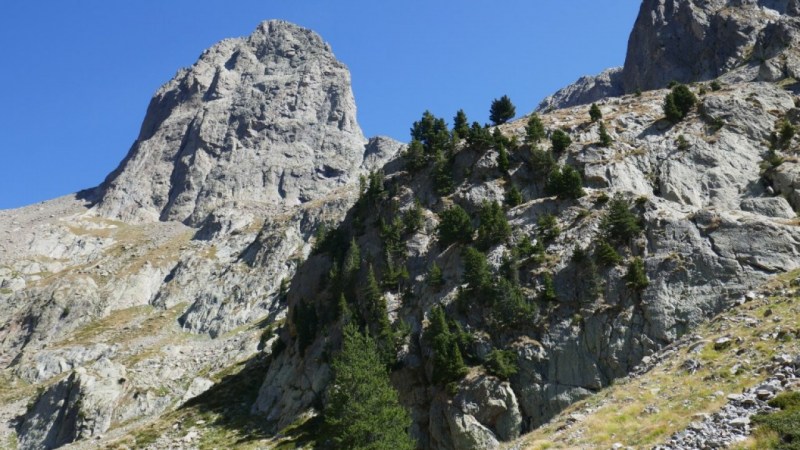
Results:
<point x="476" y="270"/>
<point x="448" y="362"/>
<point x="494" y="228"/>
<point x="363" y="409"/>
<point x="605" y="138"/>
<point x="376" y="317"/>
<point x="594" y="113"/>
<point x="534" y="132"/>
<point x="502" y="159"/>
<point x="455" y="226"/>
<point x="620" y="224"/>
<point x="502" y="110"/>
<point x="560" y="141"/>
<point x="435" y="278"/>
<point x="513" y="197"/>
<point x="636" y="275"/>
<point x="460" y="124"/>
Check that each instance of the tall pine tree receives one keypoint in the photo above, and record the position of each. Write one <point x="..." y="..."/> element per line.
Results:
<point x="363" y="410"/>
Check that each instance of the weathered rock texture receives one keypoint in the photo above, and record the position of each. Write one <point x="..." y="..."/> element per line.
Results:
<point x="698" y="40"/>
<point x="241" y="158"/>
<point x="713" y="230"/>
<point x="262" y="121"/>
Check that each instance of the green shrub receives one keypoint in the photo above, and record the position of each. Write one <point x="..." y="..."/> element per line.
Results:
<point x="560" y="141"/>
<point x="678" y="103"/>
<point x="786" y="422"/>
<point x="501" y="363"/>
<point x="715" y="85"/>
<point x="455" y="226"/>
<point x="502" y="110"/>
<point x="636" y="275"/>
<point x="786" y="132"/>
<point x="548" y="228"/>
<point x="606" y="254"/>
<point x="682" y="143"/>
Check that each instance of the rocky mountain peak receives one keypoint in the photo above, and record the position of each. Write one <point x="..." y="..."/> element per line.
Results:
<point x="268" y="120"/>
<point x="697" y="40"/>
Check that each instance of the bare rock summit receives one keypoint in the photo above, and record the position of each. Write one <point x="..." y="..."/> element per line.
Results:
<point x="266" y="120"/>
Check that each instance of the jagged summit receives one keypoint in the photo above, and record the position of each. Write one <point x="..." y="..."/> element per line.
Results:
<point x="268" y="119"/>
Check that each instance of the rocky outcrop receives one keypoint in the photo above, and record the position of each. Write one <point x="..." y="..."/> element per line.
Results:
<point x="693" y="40"/>
<point x="256" y="123"/>
<point x="587" y="89"/>
<point x="713" y="230"/>
<point x="701" y="40"/>
<point x="78" y="407"/>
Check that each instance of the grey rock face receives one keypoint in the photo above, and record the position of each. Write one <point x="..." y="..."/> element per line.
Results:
<point x="701" y="40"/>
<point x="263" y="121"/>
<point x="79" y="407"/>
<point x="586" y="90"/>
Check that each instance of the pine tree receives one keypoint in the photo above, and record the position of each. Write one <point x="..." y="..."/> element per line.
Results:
<point x="435" y="278"/>
<point x="620" y="224"/>
<point x="413" y="218"/>
<point x="502" y="159"/>
<point x="376" y="317"/>
<point x="566" y="183"/>
<point x="479" y="137"/>
<point x="542" y="163"/>
<point x="363" y="409"/>
<point x="548" y="228"/>
<point x="534" y="132"/>
<point x="494" y="228"/>
<point x="448" y="362"/>
<point x="460" y="124"/>
<point x="605" y="138"/>
<point x="502" y="110"/>
<point x="560" y="141"/>
<point x="636" y="275"/>
<point x="548" y="289"/>
<point x="678" y="103"/>
<point x="476" y="270"/>
<point x="513" y="197"/>
<point x="415" y="157"/>
<point x="594" y="113"/>
<point x="455" y="226"/>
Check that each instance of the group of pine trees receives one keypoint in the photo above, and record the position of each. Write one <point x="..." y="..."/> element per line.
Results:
<point x="362" y="408"/>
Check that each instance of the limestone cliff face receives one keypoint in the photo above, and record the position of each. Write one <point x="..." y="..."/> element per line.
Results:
<point x="698" y="40"/>
<point x="263" y="121"/>
<point x="240" y="159"/>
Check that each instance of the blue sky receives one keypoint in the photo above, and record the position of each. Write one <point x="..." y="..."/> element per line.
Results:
<point x="77" y="76"/>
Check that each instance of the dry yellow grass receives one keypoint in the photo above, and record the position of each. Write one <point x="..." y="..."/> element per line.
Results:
<point x="645" y="411"/>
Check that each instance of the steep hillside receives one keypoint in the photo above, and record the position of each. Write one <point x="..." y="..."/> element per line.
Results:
<point x="557" y="264"/>
<point x="710" y="231"/>
<point x="121" y="302"/>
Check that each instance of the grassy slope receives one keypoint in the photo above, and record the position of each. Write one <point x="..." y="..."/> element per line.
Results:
<point x="645" y="411"/>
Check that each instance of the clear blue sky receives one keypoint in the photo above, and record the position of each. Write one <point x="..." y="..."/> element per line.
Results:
<point x="77" y="76"/>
